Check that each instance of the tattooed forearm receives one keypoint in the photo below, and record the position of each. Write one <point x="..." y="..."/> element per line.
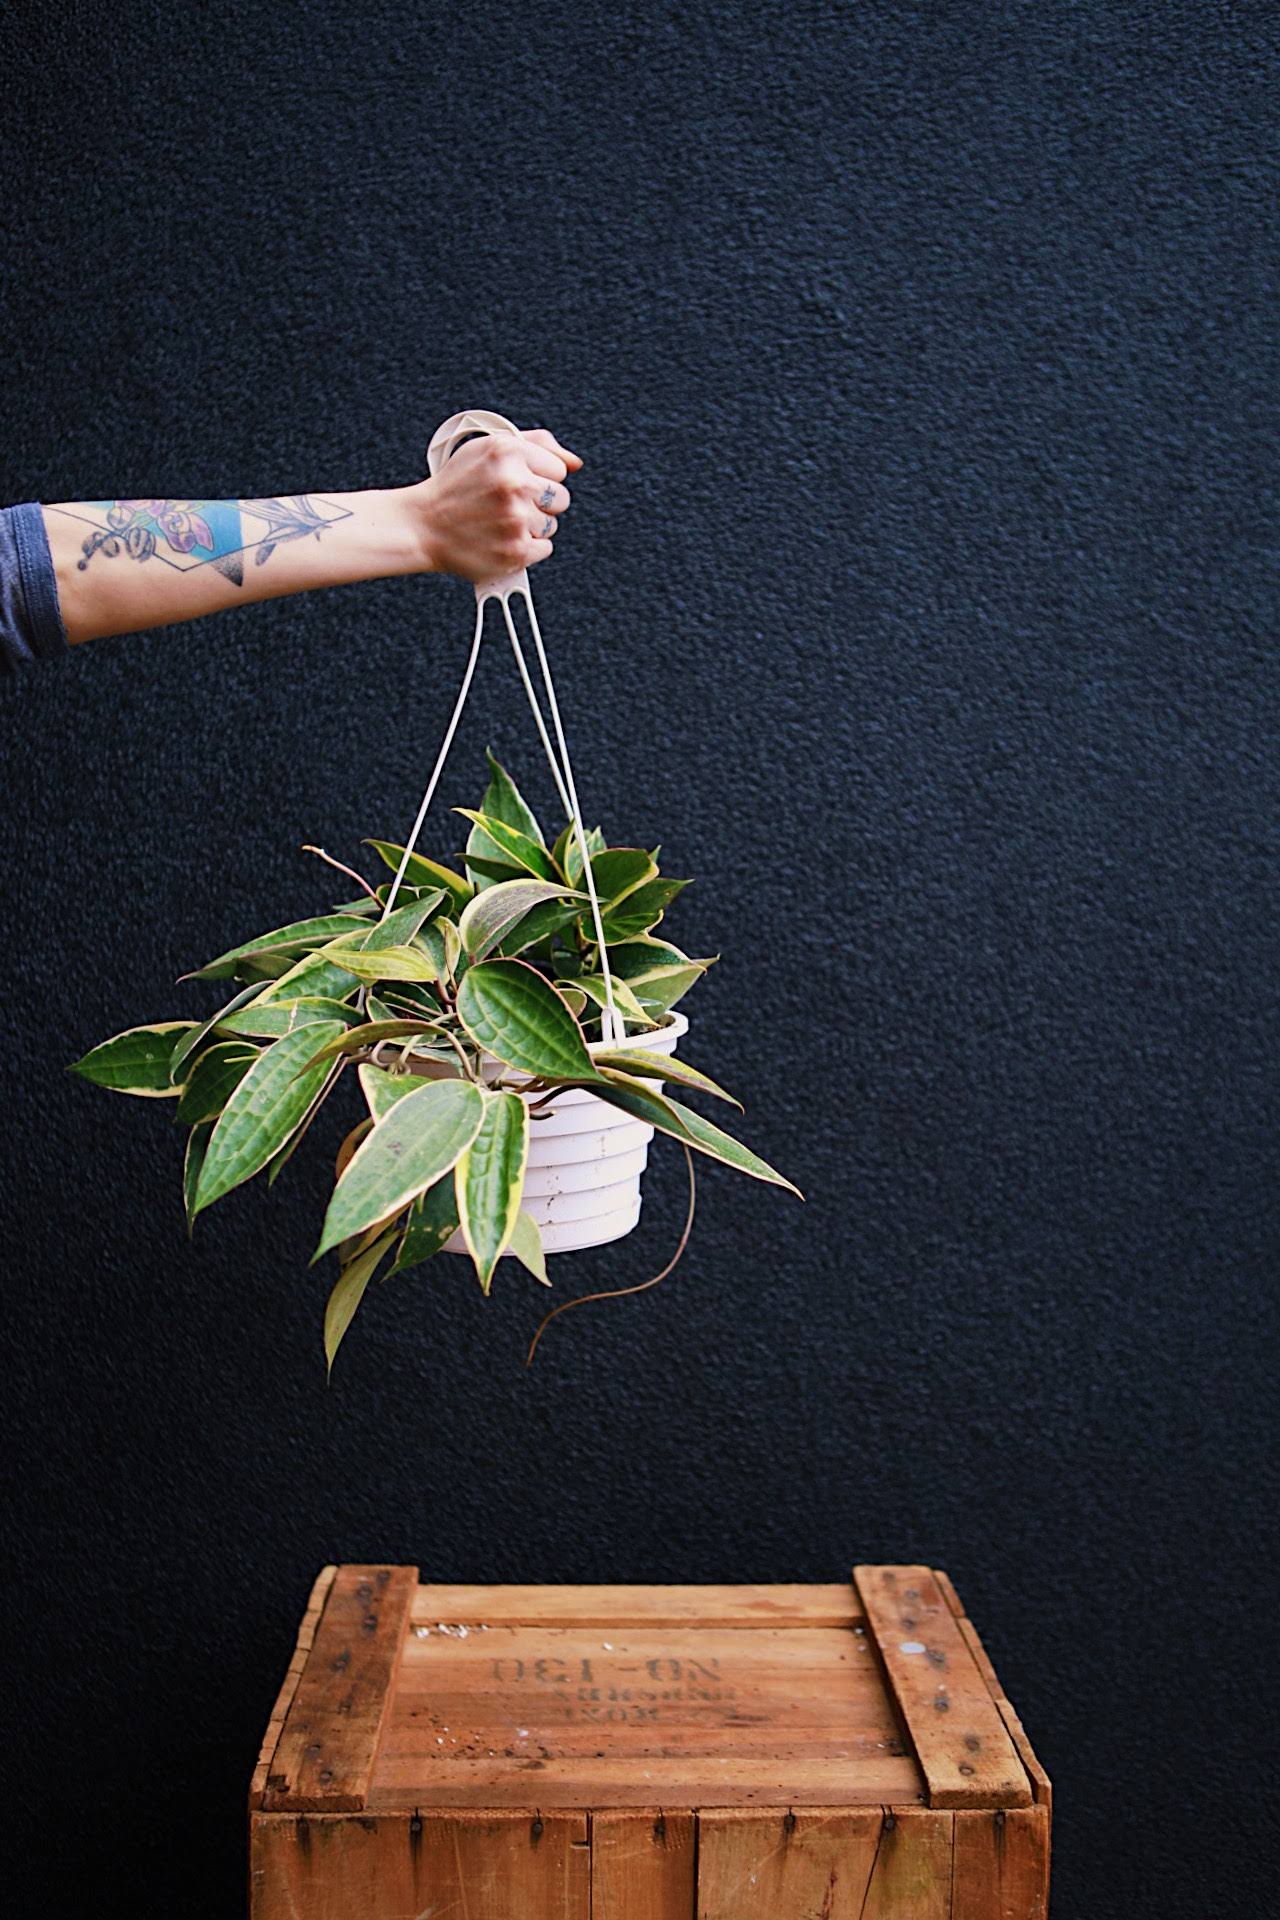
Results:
<point x="186" y="534"/>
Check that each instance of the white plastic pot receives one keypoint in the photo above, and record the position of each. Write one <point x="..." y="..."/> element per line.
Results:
<point x="582" y="1187"/>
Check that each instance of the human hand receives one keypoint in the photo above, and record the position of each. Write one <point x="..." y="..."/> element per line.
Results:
<point x="494" y="505"/>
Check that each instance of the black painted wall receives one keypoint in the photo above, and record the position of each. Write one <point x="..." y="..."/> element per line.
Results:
<point x="916" y="596"/>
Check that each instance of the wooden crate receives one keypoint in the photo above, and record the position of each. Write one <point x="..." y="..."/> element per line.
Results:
<point x="645" y="1753"/>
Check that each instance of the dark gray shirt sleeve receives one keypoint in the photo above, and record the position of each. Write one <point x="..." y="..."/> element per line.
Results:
<point x="30" y="619"/>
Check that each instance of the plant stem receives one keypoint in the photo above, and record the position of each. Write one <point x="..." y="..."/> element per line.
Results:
<point x="349" y="871"/>
<point x="618" y="1293"/>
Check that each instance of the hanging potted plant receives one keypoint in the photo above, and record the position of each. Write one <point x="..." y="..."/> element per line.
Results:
<point x="512" y="1025"/>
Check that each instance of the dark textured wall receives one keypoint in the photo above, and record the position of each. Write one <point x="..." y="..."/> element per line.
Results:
<point x="916" y="597"/>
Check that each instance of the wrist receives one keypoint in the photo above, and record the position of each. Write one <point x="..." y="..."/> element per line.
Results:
<point x="395" y="531"/>
<point x="409" y="509"/>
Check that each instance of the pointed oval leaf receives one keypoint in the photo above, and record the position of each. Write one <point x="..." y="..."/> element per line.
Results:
<point x="493" y="913"/>
<point x="504" y="801"/>
<point x="192" y="1161"/>
<point x="300" y="936"/>
<point x="422" y="872"/>
<point x="382" y="963"/>
<point x="683" y="1124"/>
<point x="348" y="1292"/>
<point x="409" y="1148"/>
<point x="314" y="977"/>
<point x="186" y="1047"/>
<point x="399" y="927"/>
<point x="489" y="1180"/>
<point x="526" y="1244"/>
<point x="618" y="871"/>
<point x="273" y="1021"/>
<point x="510" y="844"/>
<point x="136" y="1061"/>
<point x="433" y="1221"/>
<point x="639" y="911"/>
<point x="270" y="1102"/>
<point x="513" y="1013"/>
<point x="572" y="855"/>
<point x="213" y="1079"/>
<point x="658" y="1066"/>
<point x="382" y="1089"/>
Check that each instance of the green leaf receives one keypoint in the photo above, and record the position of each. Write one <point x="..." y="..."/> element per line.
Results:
<point x="645" y="957"/>
<point x="526" y="1244"/>
<point x="272" y="1022"/>
<point x="539" y="924"/>
<point x="215" y="1076"/>
<point x="399" y="927"/>
<point x="314" y="977"/>
<point x="185" y="1048"/>
<point x="510" y="1010"/>
<point x="618" y="871"/>
<point x="422" y="872"/>
<point x="300" y="935"/>
<point x="659" y="1066"/>
<point x="489" y="1180"/>
<point x="488" y="869"/>
<point x="683" y="1124"/>
<point x="382" y="1089"/>
<point x="592" y="984"/>
<point x="409" y="1148"/>
<point x="136" y="1061"/>
<point x="269" y="1103"/>
<point x="368" y="1035"/>
<point x="640" y="910"/>
<point x="510" y="844"/>
<point x="441" y="941"/>
<point x="573" y="997"/>
<point x="433" y="1221"/>
<point x="504" y="801"/>
<point x="572" y="856"/>
<point x="279" y="1161"/>
<point x="192" y="1161"/>
<point x="493" y="913"/>
<point x="383" y="963"/>
<point x="348" y="1293"/>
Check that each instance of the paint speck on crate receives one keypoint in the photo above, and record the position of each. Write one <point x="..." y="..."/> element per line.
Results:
<point x="522" y="1733"/>
<point x="607" y="1645"/>
<point x="420" y="1633"/>
<point x="911" y="1646"/>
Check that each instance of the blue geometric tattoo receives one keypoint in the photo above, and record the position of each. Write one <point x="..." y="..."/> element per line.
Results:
<point x="202" y="533"/>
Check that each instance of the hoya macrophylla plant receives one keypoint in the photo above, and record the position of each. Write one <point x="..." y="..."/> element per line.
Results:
<point x="466" y="1012"/>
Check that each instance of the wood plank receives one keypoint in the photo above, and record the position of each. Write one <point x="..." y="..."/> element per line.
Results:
<point x="284" y="1699"/>
<point x="784" y="1865"/>
<point x="681" y="1715"/>
<point x="476" y="1866"/>
<point x="1041" y="1787"/>
<point x="961" y="1742"/>
<point x="830" y="1605"/>
<point x="602" y="1781"/>
<point x="815" y="1864"/>
<point x="325" y="1756"/>
<point x="1001" y="1865"/>
<point x="643" y="1865"/>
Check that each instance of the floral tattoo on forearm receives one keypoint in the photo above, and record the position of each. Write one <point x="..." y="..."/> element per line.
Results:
<point x="202" y="533"/>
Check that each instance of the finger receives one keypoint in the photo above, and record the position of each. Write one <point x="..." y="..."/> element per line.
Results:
<point x="539" y="550"/>
<point x="550" y="495"/>
<point x="541" y="525"/>
<point x="547" y="439"/>
<point x="541" y="460"/>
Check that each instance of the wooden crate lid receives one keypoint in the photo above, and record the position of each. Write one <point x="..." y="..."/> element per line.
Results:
<point x="406" y="1697"/>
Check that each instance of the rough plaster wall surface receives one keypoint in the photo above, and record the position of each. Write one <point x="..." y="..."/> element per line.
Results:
<point x="917" y="596"/>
